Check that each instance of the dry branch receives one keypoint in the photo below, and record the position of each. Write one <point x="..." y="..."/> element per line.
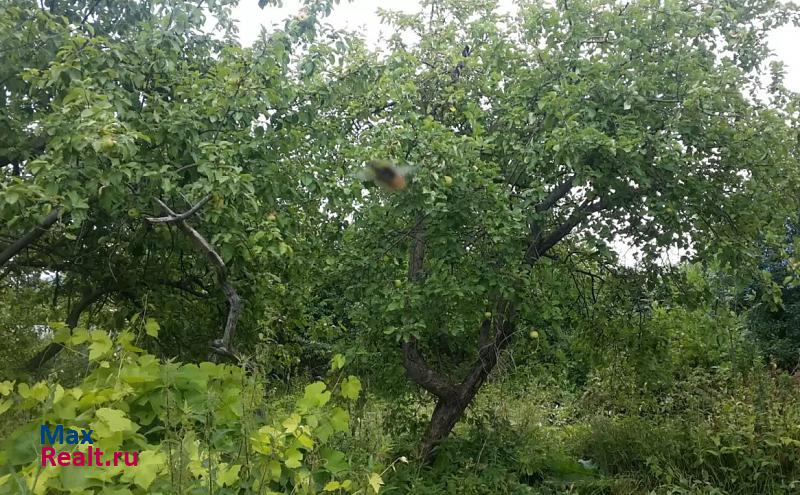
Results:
<point x="219" y="346"/>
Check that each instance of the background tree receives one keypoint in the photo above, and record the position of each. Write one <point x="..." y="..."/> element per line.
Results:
<point x="115" y="109"/>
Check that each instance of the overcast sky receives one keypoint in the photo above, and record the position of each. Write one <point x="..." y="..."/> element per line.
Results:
<point x="360" y="15"/>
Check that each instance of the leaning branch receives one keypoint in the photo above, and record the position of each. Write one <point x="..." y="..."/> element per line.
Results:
<point x="556" y="194"/>
<point x="30" y="237"/>
<point x="420" y="372"/>
<point x="42" y="357"/>
<point x="220" y="346"/>
<point x="539" y="246"/>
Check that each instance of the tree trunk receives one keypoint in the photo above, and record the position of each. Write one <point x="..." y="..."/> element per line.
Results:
<point x="443" y="420"/>
<point x="495" y="332"/>
<point x="452" y="399"/>
<point x="450" y="407"/>
<point x="218" y="346"/>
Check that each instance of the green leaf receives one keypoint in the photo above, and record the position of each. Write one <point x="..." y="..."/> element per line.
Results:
<point x="315" y="396"/>
<point x="227" y="475"/>
<point x="291" y="423"/>
<point x="61" y="334"/>
<point x="114" y="419"/>
<point x="335" y="461"/>
<point x="332" y="486"/>
<point x="6" y="387"/>
<point x="274" y="470"/>
<point x="79" y="336"/>
<point x="151" y="327"/>
<point x="351" y="388"/>
<point x="38" y="392"/>
<point x="101" y="345"/>
<point x="337" y="362"/>
<point x="150" y="464"/>
<point x="340" y="419"/>
<point x="305" y="441"/>
<point x="293" y="458"/>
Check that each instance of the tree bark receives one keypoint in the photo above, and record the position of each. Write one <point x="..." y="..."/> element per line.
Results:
<point x="444" y="418"/>
<point x="450" y="408"/>
<point x="30" y="237"/>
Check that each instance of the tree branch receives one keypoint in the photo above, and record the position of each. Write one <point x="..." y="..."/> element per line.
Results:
<point x="417" y="255"/>
<point x="539" y="247"/>
<point x="182" y="216"/>
<point x="30" y="237"/>
<point x="420" y="372"/>
<point x="219" y="346"/>
<point x="489" y="353"/>
<point x="52" y="349"/>
<point x="417" y="369"/>
<point x="556" y="194"/>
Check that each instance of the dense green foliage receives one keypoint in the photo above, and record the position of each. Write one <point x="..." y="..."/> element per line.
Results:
<point x="193" y="426"/>
<point x="198" y="262"/>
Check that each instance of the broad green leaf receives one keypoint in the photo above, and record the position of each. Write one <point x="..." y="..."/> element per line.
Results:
<point x="305" y="441"/>
<point x="337" y="362"/>
<point x="79" y="336"/>
<point x="151" y="464"/>
<point x="314" y="396"/>
<point x="291" y="423"/>
<point x="39" y="391"/>
<point x="151" y="327"/>
<point x="100" y="346"/>
<point x="6" y="387"/>
<point x="293" y="458"/>
<point x="335" y="461"/>
<point x="351" y="388"/>
<point x="227" y="475"/>
<point x="114" y="419"/>
<point x="274" y="470"/>
<point x="340" y="419"/>
<point x="58" y="394"/>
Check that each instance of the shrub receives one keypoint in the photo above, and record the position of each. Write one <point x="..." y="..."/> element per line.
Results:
<point x="742" y="438"/>
<point x="196" y="427"/>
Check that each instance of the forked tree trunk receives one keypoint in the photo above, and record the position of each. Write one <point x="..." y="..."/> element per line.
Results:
<point x="450" y="407"/>
<point x="448" y="412"/>
<point x="452" y="399"/>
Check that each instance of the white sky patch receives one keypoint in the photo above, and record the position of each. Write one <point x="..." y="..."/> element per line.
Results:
<point x="361" y="15"/>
